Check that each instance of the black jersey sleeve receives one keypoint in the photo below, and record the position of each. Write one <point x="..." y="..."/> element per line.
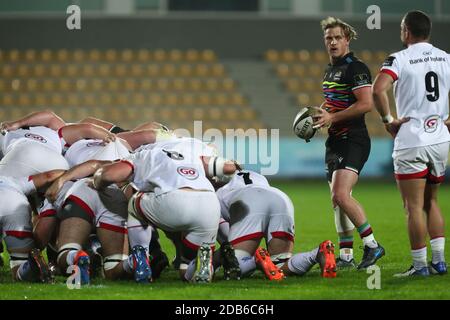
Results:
<point x="359" y="75"/>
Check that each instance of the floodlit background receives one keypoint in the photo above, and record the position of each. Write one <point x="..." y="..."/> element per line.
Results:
<point x="227" y="63"/>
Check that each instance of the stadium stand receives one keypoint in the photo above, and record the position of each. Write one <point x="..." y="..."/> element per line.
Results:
<point x="117" y="85"/>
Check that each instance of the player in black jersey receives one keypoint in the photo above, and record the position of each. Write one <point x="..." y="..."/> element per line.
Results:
<point x="347" y="91"/>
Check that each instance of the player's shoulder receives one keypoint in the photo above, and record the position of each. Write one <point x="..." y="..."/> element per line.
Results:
<point x="354" y="63"/>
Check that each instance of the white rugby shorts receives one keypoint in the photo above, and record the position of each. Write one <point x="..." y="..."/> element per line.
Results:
<point x="261" y="212"/>
<point x="427" y="162"/>
<point x="194" y="213"/>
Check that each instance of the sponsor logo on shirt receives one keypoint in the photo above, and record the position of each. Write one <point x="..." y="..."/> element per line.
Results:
<point x="388" y="62"/>
<point x="188" y="173"/>
<point x="35" y="137"/>
<point x="431" y="123"/>
<point x="96" y="144"/>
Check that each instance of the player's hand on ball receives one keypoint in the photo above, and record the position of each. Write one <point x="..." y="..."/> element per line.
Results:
<point x="321" y="118"/>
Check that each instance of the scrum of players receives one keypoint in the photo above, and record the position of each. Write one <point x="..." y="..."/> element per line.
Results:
<point x="96" y="197"/>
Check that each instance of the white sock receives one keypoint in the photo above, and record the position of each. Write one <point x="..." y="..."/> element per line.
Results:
<point x="127" y="264"/>
<point x="419" y="258"/>
<point x="301" y="263"/>
<point x="370" y="241"/>
<point x="346" y="254"/>
<point x="70" y="258"/>
<point x="190" y="271"/>
<point x="247" y="265"/>
<point x="137" y="234"/>
<point x="437" y="250"/>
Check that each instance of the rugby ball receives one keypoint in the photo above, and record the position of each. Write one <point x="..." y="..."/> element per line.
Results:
<point x="303" y="124"/>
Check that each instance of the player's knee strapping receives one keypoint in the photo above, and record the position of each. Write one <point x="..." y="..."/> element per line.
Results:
<point x="66" y="249"/>
<point x="280" y="259"/>
<point x="16" y="259"/>
<point x="112" y="261"/>
<point x="342" y="222"/>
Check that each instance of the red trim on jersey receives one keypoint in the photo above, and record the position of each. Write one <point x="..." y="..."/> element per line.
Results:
<point x="409" y="176"/>
<point x="189" y="244"/>
<point x="282" y="234"/>
<point x="60" y="133"/>
<point x="391" y="73"/>
<point x="139" y="208"/>
<point x="114" y="228"/>
<point x="128" y="163"/>
<point x="435" y="180"/>
<point x="250" y="236"/>
<point x="82" y="204"/>
<point x="30" y="178"/>
<point x="19" y="234"/>
<point x="47" y="213"/>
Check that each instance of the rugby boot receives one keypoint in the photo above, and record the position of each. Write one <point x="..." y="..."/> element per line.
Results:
<point x="229" y="262"/>
<point x="204" y="267"/>
<point x="141" y="265"/>
<point x="326" y="260"/>
<point x="412" y="272"/>
<point x="439" y="268"/>
<point x="263" y="261"/>
<point x="370" y="256"/>
<point x="39" y="268"/>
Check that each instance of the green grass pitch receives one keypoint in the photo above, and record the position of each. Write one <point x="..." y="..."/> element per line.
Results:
<point x="314" y="223"/>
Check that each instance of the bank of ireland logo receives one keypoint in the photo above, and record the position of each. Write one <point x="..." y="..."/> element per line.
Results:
<point x="35" y="137"/>
<point x="431" y="124"/>
<point x="188" y="173"/>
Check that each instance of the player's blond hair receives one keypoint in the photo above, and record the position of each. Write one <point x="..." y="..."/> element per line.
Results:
<point x="332" y="22"/>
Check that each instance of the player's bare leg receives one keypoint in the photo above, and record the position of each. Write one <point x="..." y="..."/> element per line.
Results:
<point x="412" y="192"/>
<point x="436" y="229"/>
<point x="342" y="184"/>
<point x="345" y="229"/>
<point x="73" y="234"/>
<point x="44" y="231"/>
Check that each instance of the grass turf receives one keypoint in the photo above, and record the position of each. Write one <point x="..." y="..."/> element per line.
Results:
<point x="314" y="223"/>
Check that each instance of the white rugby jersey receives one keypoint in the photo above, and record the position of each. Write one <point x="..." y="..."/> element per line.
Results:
<point x="170" y="165"/>
<point x="241" y="180"/>
<point x="422" y="83"/>
<point x="43" y="135"/>
<point x="23" y="184"/>
<point x="91" y="149"/>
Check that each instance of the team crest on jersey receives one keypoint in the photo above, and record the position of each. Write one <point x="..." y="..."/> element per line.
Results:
<point x="96" y="144"/>
<point x="337" y="76"/>
<point x="35" y="137"/>
<point x="188" y="173"/>
<point x="361" y="79"/>
<point x="431" y="123"/>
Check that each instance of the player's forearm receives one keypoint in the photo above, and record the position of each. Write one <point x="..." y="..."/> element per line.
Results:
<point x="139" y="138"/>
<point x="109" y="174"/>
<point x="42" y="179"/>
<point x="83" y="170"/>
<point x="104" y="124"/>
<point x="44" y="118"/>
<point x="74" y="132"/>
<point x="381" y="101"/>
